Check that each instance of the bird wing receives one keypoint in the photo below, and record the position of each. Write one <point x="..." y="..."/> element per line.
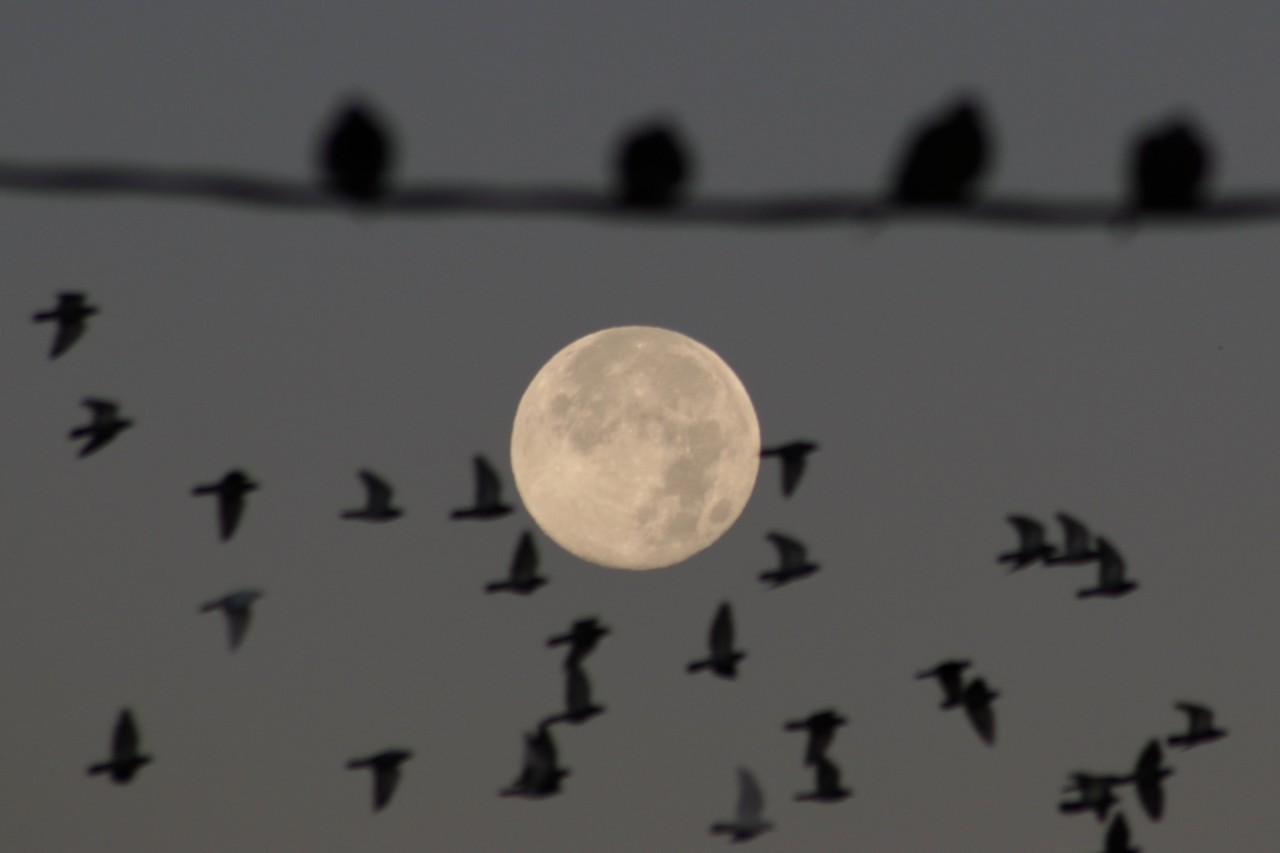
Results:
<point x="70" y="328"/>
<point x="750" y="798"/>
<point x="1118" y="835"/>
<point x="524" y="566"/>
<point x="577" y="690"/>
<point x="1199" y="718"/>
<point x="488" y="488"/>
<point x="791" y="552"/>
<point x="1031" y="534"/>
<point x="721" y="641"/>
<point x="230" y="508"/>
<point x="386" y="775"/>
<point x="126" y="740"/>
<point x="379" y="491"/>
<point x="1075" y="536"/>
<point x="1110" y="565"/>
<point x="238" y="617"/>
<point x="792" y="469"/>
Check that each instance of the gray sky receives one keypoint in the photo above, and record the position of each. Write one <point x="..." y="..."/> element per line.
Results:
<point x="952" y="373"/>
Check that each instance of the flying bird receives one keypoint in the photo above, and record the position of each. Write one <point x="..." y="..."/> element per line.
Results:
<point x="126" y="759"/>
<point x="827" y="787"/>
<point x="1032" y="546"/>
<point x="748" y="819"/>
<point x="378" y="494"/>
<point x="524" y="577"/>
<point x="1076" y="546"/>
<point x="578" y="705"/>
<point x="946" y="158"/>
<point x="793" y="456"/>
<point x="723" y="660"/>
<point x="238" y="607"/>
<point x="386" y="773"/>
<point x="1200" y="728"/>
<point x="582" y="637"/>
<point x="977" y="699"/>
<point x="1117" y="840"/>
<point x="821" y="726"/>
<point x="488" y="494"/>
<point x="540" y="774"/>
<point x="1111" y="580"/>
<point x="356" y="154"/>
<point x="1169" y="167"/>
<point x="652" y="166"/>
<point x="70" y="314"/>
<point x="231" y="490"/>
<point x="950" y="676"/>
<point x="1148" y="777"/>
<point x="1093" y="793"/>
<point x="104" y="426"/>
<point x="795" y="562"/>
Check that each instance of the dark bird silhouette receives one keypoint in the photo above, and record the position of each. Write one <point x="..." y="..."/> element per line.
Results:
<point x="578" y="707"/>
<point x="238" y="607"/>
<point x="950" y="676"/>
<point x="1117" y="840"/>
<point x="1076" y="544"/>
<point x="793" y="456"/>
<point x="723" y="660"/>
<point x="748" y="821"/>
<point x="1148" y="777"/>
<point x="1093" y="793"/>
<point x="826" y="786"/>
<point x="540" y="774"/>
<point x="821" y="726"/>
<point x="524" y="577"/>
<point x="1032" y="546"/>
<point x="652" y="166"/>
<point x="378" y="494"/>
<point x="795" y="562"/>
<point x="356" y="154"/>
<point x="231" y="490"/>
<point x="977" y="699"/>
<point x="582" y="637"/>
<point x="947" y="156"/>
<point x="386" y="773"/>
<point x="104" y="426"/>
<point x="70" y="315"/>
<point x="1200" y="728"/>
<point x="1169" y="168"/>
<point x="126" y="757"/>
<point x="488" y="494"/>
<point x="1111" y="580"/>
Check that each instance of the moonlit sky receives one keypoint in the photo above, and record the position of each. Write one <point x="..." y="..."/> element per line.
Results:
<point x="952" y="373"/>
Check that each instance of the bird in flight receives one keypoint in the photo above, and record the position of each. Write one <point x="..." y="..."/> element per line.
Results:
<point x="126" y="757"/>
<point x="104" y="426"/>
<point x="238" y="607"/>
<point x="70" y="316"/>
<point x="540" y="773"/>
<point x="1032" y="546"/>
<point x="748" y="821"/>
<point x="1148" y="777"/>
<point x="723" y="660"/>
<point x="578" y="707"/>
<point x="1076" y="546"/>
<point x="795" y="562"/>
<point x="1169" y="168"/>
<point x="232" y="491"/>
<point x="488" y="502"/>
<point x="827" y="787"/>
<point x="1111" y="580"/>
<point x="1200" y="727"/>
<point x="386" y="773"/>
<point x="653" y="166"/>
<point x="582" y="637"/>
<point x="793" y="456"/>
<point x="378" y="494"/>
<point x="821" y="726"/>
<point x="977" y="699"/>
<point x="950" y="675"/>
<point x="945" y="159"/>
<point x="1093" y="793"/>
<point x="524" y="577"/>
<point x="356" y="154"/>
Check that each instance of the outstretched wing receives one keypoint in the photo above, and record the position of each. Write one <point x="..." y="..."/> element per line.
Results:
<point x="721" y="640"/>
<point x="790" y="551"/>
<point x="379" y="490"/>
<point x="524" y="566"/>
<point x="126" y="740"/>
<point x="750" y="798"/>
<point x="488" y="487"/>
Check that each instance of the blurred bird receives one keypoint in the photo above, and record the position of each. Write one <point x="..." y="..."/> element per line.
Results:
<point x="1111" y="580"/>
<point x="488" y="494"/>
<point x="827" y="788"/>
<point x="378" y="493"/>
<point x="70" y="314"/>
<point x="1094" y="793"/>
<point x="1032" y="546"/>
<point x="386" y="773"/>
<point x="231" y="490"/>
<point x="1118" y="837"/>
<point x="652" y="166"/>
<point x="524" y="577"/>
<point x="795" y="563"/>
<point x="356" y="154"/>
<point x="1148" y="777"/>
<point x="103" y="428"/>
<point x="540" y="775"/>
<point x="1200" y="728"/>
<point x="578" y="706"/>
<point x="793" y="456"/>
<point x="821" y="726"/>
<point x="977" y="699"/>
<point x="945" y="159"/>
<point x="1169" y="167"/>
<point x="949" y="674"/>
<point x="238" y="607"/>
<point x="1076" y="547"/>
<point x="749" y="819"/>
<point x="582" y="638"/>
<point x="126" y="758"/>
<point x="723" y="660"/>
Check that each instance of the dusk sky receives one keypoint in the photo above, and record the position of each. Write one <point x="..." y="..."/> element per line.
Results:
<point x="952" y="372"/>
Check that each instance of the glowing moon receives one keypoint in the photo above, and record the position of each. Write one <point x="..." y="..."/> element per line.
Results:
<point x="635" y="447"/>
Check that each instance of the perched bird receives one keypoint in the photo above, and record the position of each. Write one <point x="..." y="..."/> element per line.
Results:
<point x="795" y="562"/>
<point x="821" y="726"/>
<point x="1111" y="580"/>
<point x="652" y="167"/>
<point x="1169" y="167"/>
<point x="949" y="674"/>
<point x="945" y="159"/>
<point x="488" y="494"/>
<point x="1118" y="836"/>
<point x="1094" y="793"/>
<point x="524" y="577"/>
<point x="356" y="154"/>
<point x="378" y="493"/>
<point x="103" y="428"/>
<point x="582" y="637"/>
<point x="70" y="314"/>
<point x="793" y="456"/>
<point x="977" y="699"/>
<point x="1148" y="777"/>
<point x="126" y="758"/>
<point x="231" y="490"/>
<point x="827" y="787"/>
<point x="578" y="707"/>
<point x="748" y="821"/>
<point x="1076" y="547"/>
<point x="386" y="773"/>
<point x="1200" y="728"/>
<point x="723" y="660"/>
<point x="1032" y="546"/>
<point x="238" y="609"/>
<point x="541" y="774"/>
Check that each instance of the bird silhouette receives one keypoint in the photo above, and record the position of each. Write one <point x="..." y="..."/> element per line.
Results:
<point x="1076" y="545"/>
<point x="578" y="707"/>
<point x="950" y="677"/>
<point x="821" y="726"/>
<point x="231" y="490"/>
<point x="793" y="456"/>
<point x="126" y="759"/>
<point x="104" y="426"/>
<point x="653" y="169"/>
<point x="1117" y="839"/>
<point x="723" y="660"/>
<point x="70" y="314"/>
<point x="378" y="494"/>
<point x="386" y="773"/>
<point x="238" y="608"/>
<point x="1169" y="168"/>
<point x="524" y="577"/>
<point x="356" y="154"/>
<point x="1200" y="728"/>
<point x="977" y="699"/>
<point x="1032" y="546"/>
<point x="795" y="562"/>
<point x="1148" y="777"/>
<point x="488" y="502"/>
<point x="1111" y="580"/>
<point x="827" y="787"/>
<point x="748" y="821"/>
<point x="540" y="773"/>
<point x="945" y="159"/>
<point x="1093" y="793"/>
<point x="582" y="637"/>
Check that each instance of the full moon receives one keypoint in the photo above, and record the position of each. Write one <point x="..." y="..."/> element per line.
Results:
<point x="635" y="447"/>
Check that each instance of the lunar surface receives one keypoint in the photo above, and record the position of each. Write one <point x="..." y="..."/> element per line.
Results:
<point x="635" y="447"/>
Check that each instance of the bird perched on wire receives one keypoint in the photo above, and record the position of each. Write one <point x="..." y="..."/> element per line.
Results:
<point x="947" y="156"/>
<point x="653" y="166"/>
<point x="793" y="456"/>
<point x="1032" y="546"/>
<point x="524" y="577"/>
<point x="238" y="608"/>
<point x="826" y="786"/>
<point x="821" y="726"/>
<point x="795" y="562"/>
<point x="386" y="773"/>
<point x="950" y="675"/>
<point x="1200" y="727"/>
<point x="748" y="820"/>
<point x="232" y="491"/>
<point x="378" y="505"/>
<point x="126" y="755"/>
<point x="1170" y="165"/>
<point x="488" y="503"/>
<point x="70" y="316"/>
<point x="104" y="426"/>
<point x="356" y="154"/>
<point x="723" y="658"/>
<point x="540" y="773"/>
